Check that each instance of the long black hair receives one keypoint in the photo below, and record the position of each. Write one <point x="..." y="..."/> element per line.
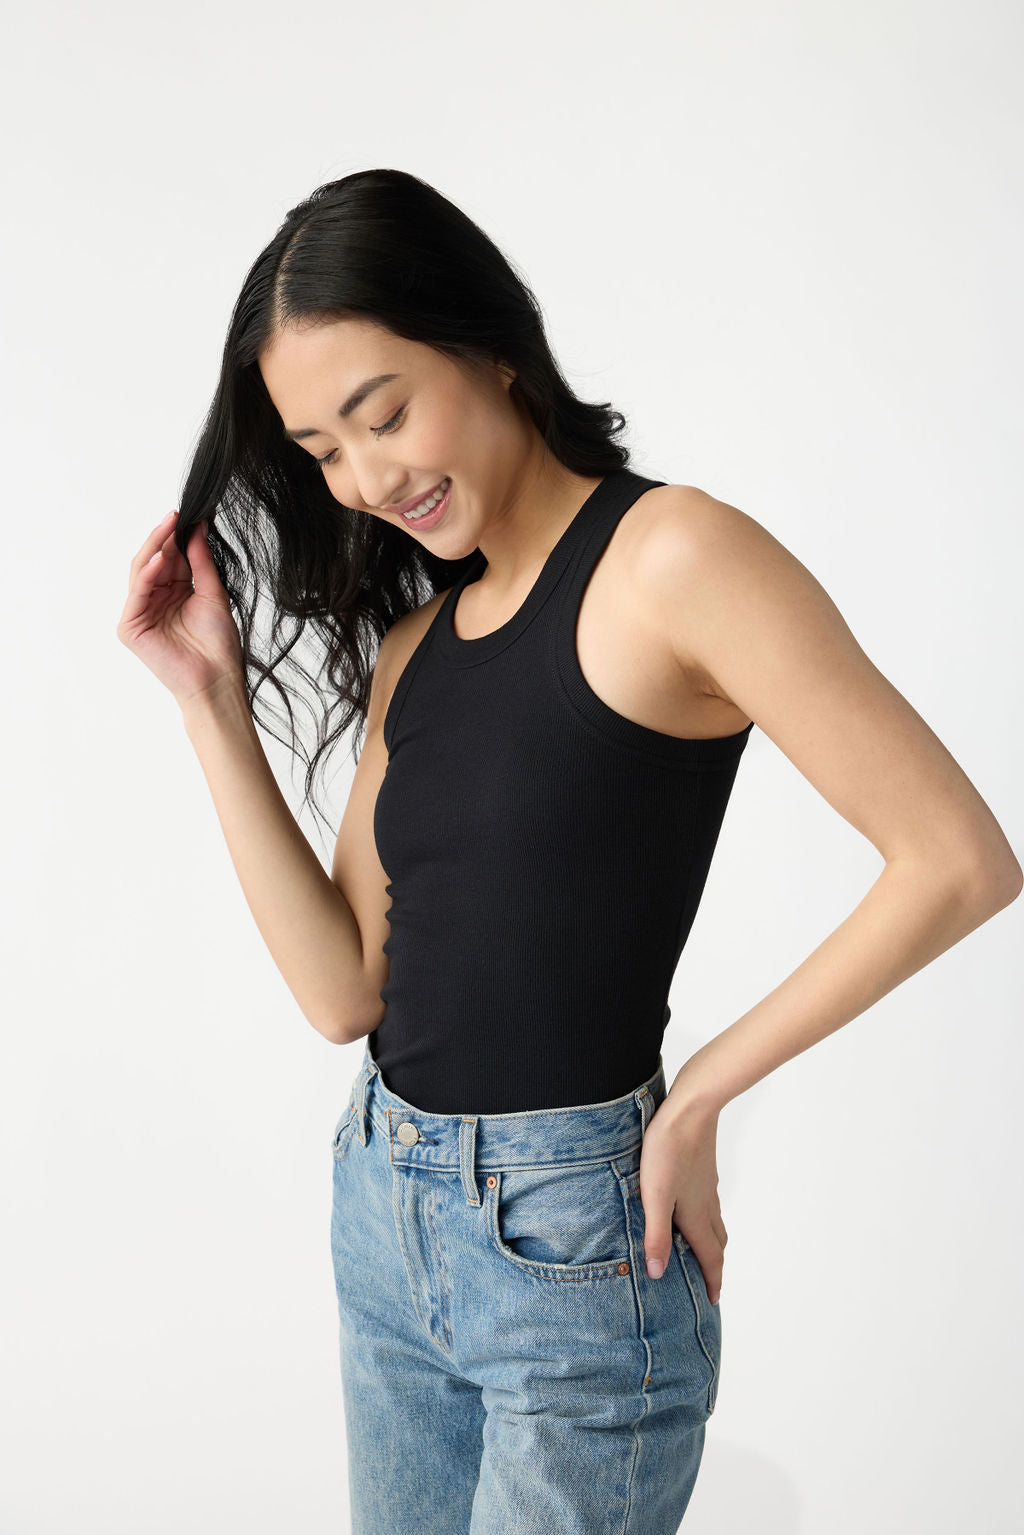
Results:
<point x="383" y="245"/>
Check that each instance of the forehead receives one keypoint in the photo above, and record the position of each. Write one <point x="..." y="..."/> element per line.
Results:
<point x="301" y="362"/>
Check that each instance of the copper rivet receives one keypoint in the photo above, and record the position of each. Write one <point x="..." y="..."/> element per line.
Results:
<point x="492" y="1181"/>
<point x="623" y="1268"/>
<point x="647" y="1380"/>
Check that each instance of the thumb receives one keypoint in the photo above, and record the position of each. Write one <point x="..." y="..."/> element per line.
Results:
<point x="658" y="1242"/>
<point x="204" y="572"/>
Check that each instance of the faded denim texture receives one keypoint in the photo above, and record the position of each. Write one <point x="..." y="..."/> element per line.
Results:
<point x="507" y="1364"/>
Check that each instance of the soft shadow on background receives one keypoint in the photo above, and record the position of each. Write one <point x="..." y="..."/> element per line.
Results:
<point x="786" y="241"/>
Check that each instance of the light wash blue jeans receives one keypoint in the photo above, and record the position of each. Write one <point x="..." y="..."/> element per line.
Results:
<point x="507" y="1365"/>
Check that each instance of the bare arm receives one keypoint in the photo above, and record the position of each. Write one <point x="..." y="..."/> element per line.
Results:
<point x="749" y="620"/>
<point x="745" y="613"/>
<point x="306" y="922"/>
<point x="324" y="932"/>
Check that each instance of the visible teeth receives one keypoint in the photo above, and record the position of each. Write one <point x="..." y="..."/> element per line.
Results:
<point x="431" y="501"/>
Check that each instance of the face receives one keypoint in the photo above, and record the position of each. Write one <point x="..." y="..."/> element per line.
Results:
<point x="434" y="421"/>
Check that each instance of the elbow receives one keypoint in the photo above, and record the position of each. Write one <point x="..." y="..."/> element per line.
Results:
<point x="994" y="883"/>
<point x="1012" y="884"/>
<point x="354" y="1026"/>
<point x="329" y="1030"/>
<point x="337" y="1033"/>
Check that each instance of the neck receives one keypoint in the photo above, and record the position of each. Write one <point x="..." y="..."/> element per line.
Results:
<point x="532" y="518"/>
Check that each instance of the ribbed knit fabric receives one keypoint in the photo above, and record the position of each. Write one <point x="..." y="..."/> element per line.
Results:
<point x="545" y="855"/>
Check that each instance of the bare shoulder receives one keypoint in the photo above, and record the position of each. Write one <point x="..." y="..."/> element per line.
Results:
<point x="699" y="562"/>
<point x="406" y="632"/>
<point x="686" y="523"/>
<point x="395" y="650"/>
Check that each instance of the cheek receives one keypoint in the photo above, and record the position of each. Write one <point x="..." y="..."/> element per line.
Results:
<point x="344" y="490"/>
<point x="464" y="431"/>
<point x="437" y="442"/>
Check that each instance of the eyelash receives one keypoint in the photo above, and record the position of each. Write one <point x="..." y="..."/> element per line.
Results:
<point x="378" y="431"/>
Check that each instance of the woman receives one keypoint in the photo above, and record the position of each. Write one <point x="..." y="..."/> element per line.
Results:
<point x="558" y="663"/>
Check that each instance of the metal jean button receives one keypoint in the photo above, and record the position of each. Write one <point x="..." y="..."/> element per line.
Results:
<point x="407" y="1133"/>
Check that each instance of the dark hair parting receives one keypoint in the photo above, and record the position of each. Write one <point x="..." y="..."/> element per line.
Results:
<point x="383" y="245"/>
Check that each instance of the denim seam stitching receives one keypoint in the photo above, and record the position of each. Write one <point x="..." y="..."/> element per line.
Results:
<point x="678" y="1243"/>
<point x="399" y="1218"/>
<point x="484" y="1167"/>
<point x="645" y="1400"/>
<point x="571" y="1273"/>
<point x="343" y="1137"/>
<point x="431" y="1209"/>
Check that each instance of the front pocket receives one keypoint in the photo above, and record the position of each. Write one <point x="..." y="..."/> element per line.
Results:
<point x="565" y="1222"/>
<point x="708" y="1317"/>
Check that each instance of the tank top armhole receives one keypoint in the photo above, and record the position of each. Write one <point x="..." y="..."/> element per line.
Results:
<point x="684" y="752"/>
<point x="401" y="688"/>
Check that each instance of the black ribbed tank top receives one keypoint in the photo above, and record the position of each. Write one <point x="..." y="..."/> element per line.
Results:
<point x="545" y="855"/>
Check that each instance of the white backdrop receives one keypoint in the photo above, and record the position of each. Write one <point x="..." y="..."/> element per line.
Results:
<point x="786" y="241"/>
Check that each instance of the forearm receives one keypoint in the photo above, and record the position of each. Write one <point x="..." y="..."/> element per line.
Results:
<point x="304" y="919"/>
<point x="911" y="914"/>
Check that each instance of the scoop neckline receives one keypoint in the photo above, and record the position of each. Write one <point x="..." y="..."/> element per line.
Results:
<point x="481" y="647"/>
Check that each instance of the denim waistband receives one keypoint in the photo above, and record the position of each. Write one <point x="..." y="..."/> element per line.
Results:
<point x="534" y="1138"/>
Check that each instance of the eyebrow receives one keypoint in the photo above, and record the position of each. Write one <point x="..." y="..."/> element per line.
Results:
<point x="355" y="399"/>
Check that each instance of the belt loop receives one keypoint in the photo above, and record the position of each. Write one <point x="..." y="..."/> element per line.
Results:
<point x="644" y="1100"/>
<point x="648" y="1097"/>
<point x="467" y="1160"/>
<point x="366" y="1076"/>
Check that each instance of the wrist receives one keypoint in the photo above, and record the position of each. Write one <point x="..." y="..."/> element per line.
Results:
<point x="223" y="700"/>
<point x="694" y="1094"/>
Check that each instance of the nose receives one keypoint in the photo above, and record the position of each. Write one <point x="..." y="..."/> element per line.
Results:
<point x="380" y="494"/>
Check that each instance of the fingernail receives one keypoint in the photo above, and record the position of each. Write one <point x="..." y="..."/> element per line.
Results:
<point x="655" y="1268"/>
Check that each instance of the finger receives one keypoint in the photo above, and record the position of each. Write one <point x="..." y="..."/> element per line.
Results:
<point x="204" y="571"/>
<point x="141" y="589"/>
<point x="711" y="1264"/>
<point x="153" y="542"/>
<point x="175" y="565"/>
<point x="657" y="1241"/>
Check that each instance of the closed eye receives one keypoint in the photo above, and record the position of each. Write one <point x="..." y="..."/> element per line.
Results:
<point x="378" y="431"/>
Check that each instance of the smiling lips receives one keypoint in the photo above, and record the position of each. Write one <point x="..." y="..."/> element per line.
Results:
<point x="428" y="512"/>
